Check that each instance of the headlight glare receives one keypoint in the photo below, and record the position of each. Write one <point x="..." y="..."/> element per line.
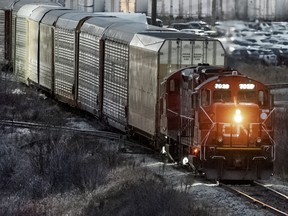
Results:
<point x="238" y="117"/>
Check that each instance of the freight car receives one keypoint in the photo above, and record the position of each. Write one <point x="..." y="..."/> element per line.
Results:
<point x="169" y="87"/>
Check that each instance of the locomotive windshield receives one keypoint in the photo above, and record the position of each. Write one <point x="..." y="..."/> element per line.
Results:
<point x="222" y="96"/>
<point x="247" y="96"/>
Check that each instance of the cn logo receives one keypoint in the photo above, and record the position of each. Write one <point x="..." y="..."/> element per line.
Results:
<point x="229" y="130"/>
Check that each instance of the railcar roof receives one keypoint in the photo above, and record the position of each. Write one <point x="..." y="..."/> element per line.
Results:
<point x="174" y="35"/>
<point x="27" y="10"/>
<point x="20" y="3"/>
<point x="132" y="17"/>
<point x="52" y="16"/>
<point x="40" y="12"/>
<point x="71" y="20"/>
<point x="96" y="25"/>
<point x="126" y="30"/>
<point x="6" y="4"/>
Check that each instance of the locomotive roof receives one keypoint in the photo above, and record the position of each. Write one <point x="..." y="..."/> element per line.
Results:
<point x="217" y="77"/>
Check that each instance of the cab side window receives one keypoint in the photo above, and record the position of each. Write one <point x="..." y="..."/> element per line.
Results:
<point x="205" y="97"/>
<point x="262" y="98"/>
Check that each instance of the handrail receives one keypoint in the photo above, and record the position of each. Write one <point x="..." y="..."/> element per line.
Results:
<point x="270" y="113"/>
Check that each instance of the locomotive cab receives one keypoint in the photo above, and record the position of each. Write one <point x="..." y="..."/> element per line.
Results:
<point x="234" y="124"/>
<point x="221" y="121"/>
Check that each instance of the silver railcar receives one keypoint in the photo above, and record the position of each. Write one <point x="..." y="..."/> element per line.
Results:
<point x="34" y="41"/>
<point x="152" y="57"/>
<point x="66" y="52"/>
<point x="91" y="50"/>
<point x="46" y="48"/>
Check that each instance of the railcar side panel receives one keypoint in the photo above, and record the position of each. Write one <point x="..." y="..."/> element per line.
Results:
<point x="14" y="13"/>
<point x="34" y="43"/>
<point x="33" y="51"/>
<point x="46" y="48"/>
<point x="115" y="83"/>
<point x="88" y="80"/>
<point x="215" y="53"/>
<point x="28" y="6"/>
<point x="171" y="51"/>
<point x="66" y="47"/>
<point x="26" y="42"/>
<point x="64" y="63"/>
<point x="21" y="49"/>
<point x="143" y="84"/>
<point x="8" y="36"/>
<point x="6" y="31"/>
<point x="2" y="36"/>
<point x="46" y="56"/>
<point x="116" y="71"/>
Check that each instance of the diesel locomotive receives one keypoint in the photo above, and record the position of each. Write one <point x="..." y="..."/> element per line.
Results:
<point x="172" y="88"/>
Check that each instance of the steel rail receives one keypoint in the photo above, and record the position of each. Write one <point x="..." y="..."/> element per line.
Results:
<point x="94" y="132"/>
<point x="283" y="196"/>
<point x="254" y="200"/>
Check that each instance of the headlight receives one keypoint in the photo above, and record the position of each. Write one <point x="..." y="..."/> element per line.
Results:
<point x="185" y="161"/>
<point x="220" y="139"/>
<point x="237" y="116"/>
<point x="163" y="150"/>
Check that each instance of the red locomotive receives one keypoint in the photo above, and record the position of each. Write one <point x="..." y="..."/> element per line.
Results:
<point x="222" y="121"/>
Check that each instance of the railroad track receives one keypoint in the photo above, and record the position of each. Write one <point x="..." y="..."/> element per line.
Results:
<point x="94" y="132"/>
<point x="263" y="196"/>
<point x="128" y="146"/>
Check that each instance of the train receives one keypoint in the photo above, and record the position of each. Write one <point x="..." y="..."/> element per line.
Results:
<point x="170" y="88"/>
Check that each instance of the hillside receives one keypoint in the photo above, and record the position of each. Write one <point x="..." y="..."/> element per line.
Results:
<point x="55" y="172"/>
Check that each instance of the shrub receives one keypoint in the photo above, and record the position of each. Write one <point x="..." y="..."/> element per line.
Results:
<point x="142" y="195"/>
